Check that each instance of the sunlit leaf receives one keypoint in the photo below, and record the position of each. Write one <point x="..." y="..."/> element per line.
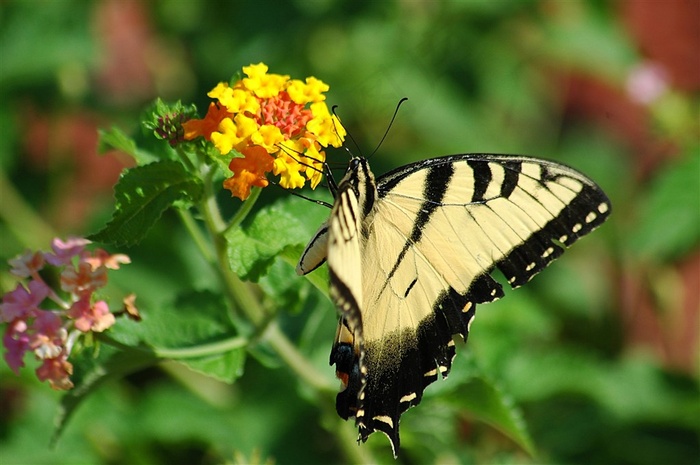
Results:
<point x="226" y="366"/>
<point x="142" y="195"/>
<point x="195" y="330"/>
<point x="284" y="226"/>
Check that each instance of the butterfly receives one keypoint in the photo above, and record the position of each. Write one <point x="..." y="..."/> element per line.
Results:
<point x="410" y="255"/>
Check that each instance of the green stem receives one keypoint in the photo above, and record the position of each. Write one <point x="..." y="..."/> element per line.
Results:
<point x="209" y="207"/>
<point x="196" y="234"/>
<point x="243" y="297"/>
<point x="202" y="350"/>
<point x="245" y="209"/>
<point x="295" y="360"/>
<point x="346" y="433"/>
<point x="186" y="159"/>
<point x="237" y="291"/>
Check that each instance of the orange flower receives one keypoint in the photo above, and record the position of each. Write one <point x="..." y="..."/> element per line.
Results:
<point x="210" y="123"/>
<point x="249" y="171"/>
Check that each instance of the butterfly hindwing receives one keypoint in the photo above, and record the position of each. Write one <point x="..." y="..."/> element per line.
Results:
<point x="411" y="255"/>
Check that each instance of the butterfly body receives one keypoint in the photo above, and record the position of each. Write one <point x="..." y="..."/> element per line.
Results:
<point x="410" y="255"/>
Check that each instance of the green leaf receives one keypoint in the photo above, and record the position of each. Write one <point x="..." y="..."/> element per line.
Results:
<point x="284" y="227"/>
<point x="287" y="290"/>
<point x="194" y="330"/>
<point x="142" y="195"/>
<point x="489" y="403"/>
<point x="670" y="219"/>
<point x="485" y="401"/>
<point x="116" y="139"/>
<point x="226" y="367"/>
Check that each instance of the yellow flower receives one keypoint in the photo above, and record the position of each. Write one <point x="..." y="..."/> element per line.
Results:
<point x="311" y="91"/>
<point x="288" y="170"/>
<point x="233" y="134"/>
<point x="221" y="90"/>
<point x="287" y="119"/>
<point x="263" y="85"/>
<point x="255" y="71"/>
<point x="268" y="137"/>
<point x="239" y="101"/>
<point x="325" y="127"/>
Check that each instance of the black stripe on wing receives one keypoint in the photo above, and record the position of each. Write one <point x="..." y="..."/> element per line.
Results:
<point x="588" y="210"/>
<point x="483" y="178"/>
<point x="434" y="189"/>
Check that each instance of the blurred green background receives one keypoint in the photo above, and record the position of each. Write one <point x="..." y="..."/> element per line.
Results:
<point x="600" y="353"/>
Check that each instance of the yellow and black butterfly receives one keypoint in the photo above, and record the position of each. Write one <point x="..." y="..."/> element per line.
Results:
<point x="410" y="255"/>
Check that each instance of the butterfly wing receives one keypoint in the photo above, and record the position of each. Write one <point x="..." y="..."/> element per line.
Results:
<point x="438" y="230"/>
<point x="411" y="255"/>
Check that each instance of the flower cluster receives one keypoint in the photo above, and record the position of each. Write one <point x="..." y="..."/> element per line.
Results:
<point x="51" y="329"/>
<point x="278" y="124"/>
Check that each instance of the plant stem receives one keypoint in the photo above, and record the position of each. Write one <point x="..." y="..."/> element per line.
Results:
<point x="202" y="350"/>
<point x="295" y="360"/>
<point x="196" y="234"/>
<point x="209" y="207"/>
<point x="346" y="434"/>
<point x="245" y="209"/>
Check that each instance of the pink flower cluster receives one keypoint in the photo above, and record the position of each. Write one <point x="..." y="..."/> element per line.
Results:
<point x="51" y="331"/>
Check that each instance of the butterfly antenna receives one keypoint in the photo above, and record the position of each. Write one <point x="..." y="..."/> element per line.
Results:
<point x="298" y="156"/>
<point x="333" y="108"/>
<point x="332" y="185"/>
<point x="302" y="196"/>
<point x="388" y="128"/>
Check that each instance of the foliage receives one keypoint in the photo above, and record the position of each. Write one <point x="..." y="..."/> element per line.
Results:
<point x="230" y="362"/>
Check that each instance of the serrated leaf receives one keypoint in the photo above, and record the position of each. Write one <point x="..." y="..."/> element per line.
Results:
<point x="142" y="195"/>
<point x="275" y="229"/>
<point x="116" y="139"/>
<point x="670" y="219"/>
